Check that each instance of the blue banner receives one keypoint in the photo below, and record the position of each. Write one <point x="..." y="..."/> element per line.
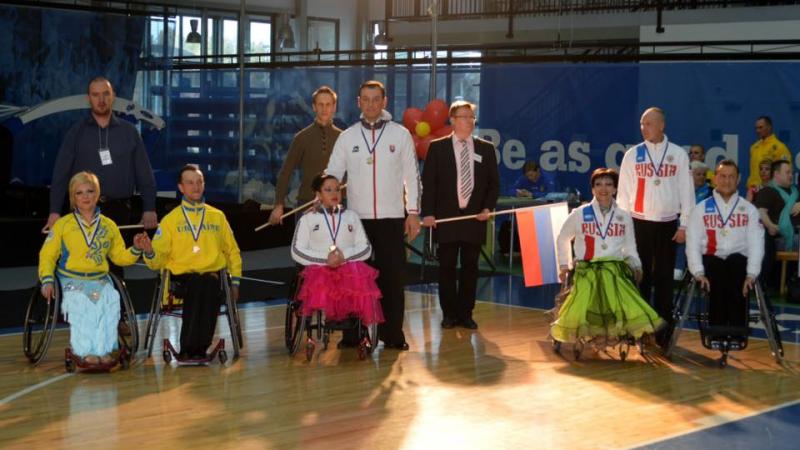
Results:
<point x="574" y="118"/>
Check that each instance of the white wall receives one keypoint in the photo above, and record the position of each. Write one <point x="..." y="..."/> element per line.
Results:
<point x="345" y="11"/>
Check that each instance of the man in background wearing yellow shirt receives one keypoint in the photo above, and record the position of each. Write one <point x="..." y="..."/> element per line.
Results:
<point x="194" y="242"/>
<point x="766" y="147"/>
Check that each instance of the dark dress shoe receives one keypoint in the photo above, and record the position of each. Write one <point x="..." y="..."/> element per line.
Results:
<point x="449" y="322"/>
<point x="403" y="346"/>
<point x="469" y="324"/>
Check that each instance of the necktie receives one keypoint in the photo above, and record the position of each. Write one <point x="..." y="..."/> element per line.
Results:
<point x="465" y="165"/>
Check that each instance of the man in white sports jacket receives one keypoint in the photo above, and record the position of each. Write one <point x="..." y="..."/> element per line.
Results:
<point x="655" y="187"/>
<point x="383" y="185"/>
<point x="724" y="248"/>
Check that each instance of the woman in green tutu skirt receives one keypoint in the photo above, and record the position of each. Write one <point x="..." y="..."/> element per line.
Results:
<point x="603" y="305"/>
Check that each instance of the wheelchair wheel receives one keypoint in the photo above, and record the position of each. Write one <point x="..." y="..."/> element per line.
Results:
<point x="232" y="314"/>
<point x="682" y="307"/>
<point x="155" y="313"/>
<point x="294" y="326"/>
<point x="41" y="318"/>
<point x="299" y="324"/>
<point x="128" y="326"/>
<point x="770" y="324"/>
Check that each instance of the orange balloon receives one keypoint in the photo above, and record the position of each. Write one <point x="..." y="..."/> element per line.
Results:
<point x="423" y="129"/>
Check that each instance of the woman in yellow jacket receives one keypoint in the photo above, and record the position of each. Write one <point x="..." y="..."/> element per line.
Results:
<point x="76" y="251"/>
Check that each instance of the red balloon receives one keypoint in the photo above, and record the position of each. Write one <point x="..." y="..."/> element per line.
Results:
<point x="411" y="117"/>
<point x="442" y="132"/>
<point x="435" y="114"/>
<point x="422" y="144"/>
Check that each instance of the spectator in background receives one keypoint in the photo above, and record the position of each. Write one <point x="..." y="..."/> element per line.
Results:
<point x="778" y="208"/>
<point x="534" y="182"/>
<point x="698" y="153"/>
<point x="702" y="189"/>
<point x="766" y="147"/>
<point x="765" y="173"/>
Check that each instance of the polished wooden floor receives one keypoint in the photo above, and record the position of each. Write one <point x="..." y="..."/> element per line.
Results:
<point x="499" y="387"/>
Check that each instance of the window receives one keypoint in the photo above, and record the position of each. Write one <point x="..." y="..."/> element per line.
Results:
<point x="230" y="36"/>
<point x="323" y="34"/>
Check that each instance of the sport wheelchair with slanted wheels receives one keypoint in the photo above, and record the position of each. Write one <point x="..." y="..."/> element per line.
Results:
<point x="717" y="338"/>
<point x="167" y="303"/>
<point x="299" y="328"/>
<point x="622" y="343"/>
<point x="42" y="318"/>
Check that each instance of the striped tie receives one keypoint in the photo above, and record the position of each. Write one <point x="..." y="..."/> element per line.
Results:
<point x="465" y="166"/>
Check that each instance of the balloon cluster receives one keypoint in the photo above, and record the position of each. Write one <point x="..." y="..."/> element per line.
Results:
<point x="427" y="125"/>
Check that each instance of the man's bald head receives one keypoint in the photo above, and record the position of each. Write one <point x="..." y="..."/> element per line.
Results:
<point x="652" y="124"/>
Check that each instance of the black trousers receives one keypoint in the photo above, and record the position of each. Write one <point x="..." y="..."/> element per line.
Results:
<point x="457" y="286"/>
<point x="389" y="258"/>
<point x="727" y="306"/>
<point x="202" y="297"/>
<point x="657" y="252"/>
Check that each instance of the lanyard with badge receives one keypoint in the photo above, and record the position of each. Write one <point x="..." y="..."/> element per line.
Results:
<point x="195" y="231"/>
<point x="104" y="150"/>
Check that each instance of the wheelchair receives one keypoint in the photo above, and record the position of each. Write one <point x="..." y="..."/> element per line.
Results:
<point x="623" y="343"/>
<point x="43" y="317"/>
<point x="299" y="328"/>
<point x="692" y="305"/>
<point x="165" y="303"/>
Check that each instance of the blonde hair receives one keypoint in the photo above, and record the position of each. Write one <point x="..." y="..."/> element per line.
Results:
<point x="79" y="179"/>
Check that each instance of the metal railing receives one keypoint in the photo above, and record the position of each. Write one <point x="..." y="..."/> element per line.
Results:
<point x="462" y="9"/>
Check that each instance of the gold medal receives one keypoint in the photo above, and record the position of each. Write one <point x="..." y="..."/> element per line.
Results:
<point x="657" y="182"/>
<point x="724" y="232"/>
<point x="604" y="247"/>
<point x="332" y="248"/>
<point x="369" y="160"/>
<point x="195" y="249"/>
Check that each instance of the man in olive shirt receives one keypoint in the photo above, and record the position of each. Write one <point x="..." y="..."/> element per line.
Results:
<point x="310" y="150"/>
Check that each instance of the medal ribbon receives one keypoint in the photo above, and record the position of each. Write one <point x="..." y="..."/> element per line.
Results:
<point x="333" y="234"/>
<point x="608" y="225"/>
<point x="371" y="149"/>
<point x="724" y="220"/>
<point x="84" y="231"/>
<point x="195" y="232"/>
<point x="652" y="162"/>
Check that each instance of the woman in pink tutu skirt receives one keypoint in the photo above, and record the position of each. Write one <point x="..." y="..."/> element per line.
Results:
<point x="330" y="242"/>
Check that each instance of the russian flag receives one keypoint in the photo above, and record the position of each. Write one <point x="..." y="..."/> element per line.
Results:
<point x="538" y="228"/>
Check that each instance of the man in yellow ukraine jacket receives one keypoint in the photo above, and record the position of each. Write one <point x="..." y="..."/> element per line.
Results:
<point x="194" y="242"/>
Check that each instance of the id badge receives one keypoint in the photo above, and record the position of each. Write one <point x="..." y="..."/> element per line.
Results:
<point x="105" y="157"/>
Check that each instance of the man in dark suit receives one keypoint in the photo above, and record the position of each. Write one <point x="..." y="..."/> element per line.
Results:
<point x="459" y="178"/>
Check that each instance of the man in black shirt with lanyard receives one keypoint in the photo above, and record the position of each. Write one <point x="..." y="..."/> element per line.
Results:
<point x="113" y="150"/>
